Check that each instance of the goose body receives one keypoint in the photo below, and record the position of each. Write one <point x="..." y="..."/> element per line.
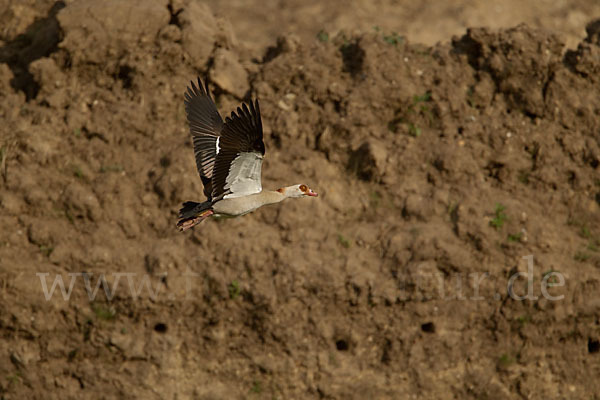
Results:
<point x="229" y="157"/>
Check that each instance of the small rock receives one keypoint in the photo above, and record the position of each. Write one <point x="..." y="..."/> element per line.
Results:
<point x="170" y="33"/>
<point x="56" y="348"/>
<point x="369" y="161"/>
<point x="416" y="206"/>
<point x="82" y="202"/>
<point x="229" y="74"/>
<point x="226" y="35"/>
<point x="40" y="234"/>
<point x="198" y="32"/>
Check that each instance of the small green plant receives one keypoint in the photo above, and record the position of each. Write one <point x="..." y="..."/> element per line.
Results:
<point x="77" y="172"/>
<point x="523" y="319"/>
<point x="234" y="290"/>
<point x="333" y="360"/>
<point x="46" y="250"/>
<point x="470" y="99"/>
<point x="499" y="217"/>
<point x="343" y="241"/>
<point x="323" y="36"/>
<point x="111" y="168"/>
<point x="581" y="256"/>
<point x="256" y="387"/>
<point x="552" y="279"/>
<point x="452" y="207"/>
<point x="414" y="130"/>
<point x="77" y="132"/>
<point x="505" y="360"/>
<point x="418" y="105"/>
<point x="453" y="212"/>
<point x="103" y="312"/>
<point x="69" y="216"/>
<point x="416" y="111"/>
<point x="374" y="199"/>
<point x="14" y="378"/>
<point x="516" y="237"/>
<point x="524" y="176"/>
<point x="585" y="232"/>
<point x="421" y="98"/>
<point x="394" y="39"/>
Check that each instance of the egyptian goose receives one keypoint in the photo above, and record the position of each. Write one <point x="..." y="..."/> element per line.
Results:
<point x="229" y="158"/>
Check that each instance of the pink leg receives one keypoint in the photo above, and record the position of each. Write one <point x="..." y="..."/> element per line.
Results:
<point x="190" y="223"/>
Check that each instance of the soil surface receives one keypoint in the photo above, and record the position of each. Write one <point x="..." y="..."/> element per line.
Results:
<point x="444" y="169"/>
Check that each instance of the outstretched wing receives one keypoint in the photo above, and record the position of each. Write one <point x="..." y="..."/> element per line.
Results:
<point x="237" y="170"/>
<point x="205" y="126"/>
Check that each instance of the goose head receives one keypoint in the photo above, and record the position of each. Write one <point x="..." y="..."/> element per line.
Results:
<point x="300" y="190"/>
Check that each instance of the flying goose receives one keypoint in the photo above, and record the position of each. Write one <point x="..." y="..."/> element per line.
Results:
<point x="229" y="158"/>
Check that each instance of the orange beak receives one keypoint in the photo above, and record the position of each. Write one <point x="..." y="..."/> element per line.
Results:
<point x="312" y="194"/>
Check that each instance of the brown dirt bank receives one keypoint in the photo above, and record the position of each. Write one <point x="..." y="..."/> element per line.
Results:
<point x="435" y="165"/>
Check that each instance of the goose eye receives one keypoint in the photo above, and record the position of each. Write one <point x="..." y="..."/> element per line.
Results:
<point x="303" y="188"/>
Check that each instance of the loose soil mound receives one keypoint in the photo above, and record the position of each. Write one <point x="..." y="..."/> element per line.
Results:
<point x="439" y="169"/>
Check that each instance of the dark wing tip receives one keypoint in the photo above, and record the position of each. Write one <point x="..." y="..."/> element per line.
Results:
<point x="199" y="90"/>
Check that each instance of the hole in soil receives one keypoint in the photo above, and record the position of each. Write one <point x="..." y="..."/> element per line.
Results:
<point x="494" y="168"/>
<point x="165" y="161"/>
<point x="470" y="47"/>
<point x="125" y="75"/>
<point x="387" y="349"/>
<point x="160" y="327"/>
<point x="428" y="327"/>
<point x="572" y="177"/>
<point x="40" y="39"/>
<point x="593" y="346"/>
<point x="337" y="105"/>
<point x="341" y="345"/>
<point x="353" y="56"/>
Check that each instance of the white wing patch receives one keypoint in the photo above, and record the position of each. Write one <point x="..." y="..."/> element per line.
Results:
<point x="244" y="176"/>
<point x="218" y="148"/>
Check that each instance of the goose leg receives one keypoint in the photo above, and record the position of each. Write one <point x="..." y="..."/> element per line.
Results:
<point x="191" y="222"/>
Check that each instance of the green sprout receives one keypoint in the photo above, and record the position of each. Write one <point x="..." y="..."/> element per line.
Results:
<point x="323" y="36"/>
<point x="343" y="241"/>
<point x="581" y="256"/>
<point x="103" y="312"/>
<point x="256" y="387"/>
<point x="414" y="130"/>
<point x="234" y="289"/>
<point x="500" y="217"/>
<point x="506" y="360"/>
<point x="516" y="237"/>
<point x="394" y="39"/>
<point x="78" y="172"/>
